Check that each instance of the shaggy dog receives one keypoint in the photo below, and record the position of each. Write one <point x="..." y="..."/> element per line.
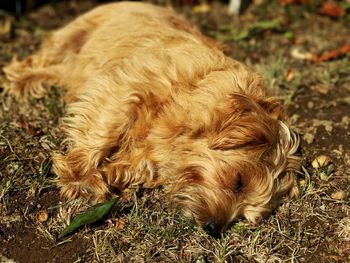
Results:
<point x="152" y="102"/>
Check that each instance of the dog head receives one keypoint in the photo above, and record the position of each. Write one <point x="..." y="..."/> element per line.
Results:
<point x="238" y="166"/>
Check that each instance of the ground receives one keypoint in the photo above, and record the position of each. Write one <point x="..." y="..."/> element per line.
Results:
<point x="314" y="227"/>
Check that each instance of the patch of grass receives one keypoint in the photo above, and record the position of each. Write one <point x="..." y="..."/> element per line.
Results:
<point x="308" y="185"/>
<point x="275" y="71"/>
<point x="54" y="103"/>
<point x="325" y="172"/>
<point x="311" y="228"/>
<point x="229" y="33"/>
<point x="44" y="178"/>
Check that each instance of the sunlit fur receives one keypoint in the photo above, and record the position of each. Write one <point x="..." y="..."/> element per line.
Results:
<point x="153" y="102"/>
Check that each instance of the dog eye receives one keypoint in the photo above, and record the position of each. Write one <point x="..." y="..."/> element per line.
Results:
<point x="239" y="184"/>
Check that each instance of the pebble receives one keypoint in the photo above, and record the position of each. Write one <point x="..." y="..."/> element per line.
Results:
<point x="43" y="216"/>
<point x="321" y="161"/>
<point x="339" y="195"/>
<point x="309" y="138"/>
<point x="310" y="104"/>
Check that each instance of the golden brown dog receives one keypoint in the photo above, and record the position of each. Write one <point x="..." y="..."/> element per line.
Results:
<point x="153" y="102"/>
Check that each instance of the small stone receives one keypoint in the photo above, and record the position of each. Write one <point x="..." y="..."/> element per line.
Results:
<point x="308" y="137"/>
<point x="321" y="161"/>
<point x="345" y="120"/>
<point x="339" y="195"/>
<point x="43" y="216"/>
<point x="310" y="104"/>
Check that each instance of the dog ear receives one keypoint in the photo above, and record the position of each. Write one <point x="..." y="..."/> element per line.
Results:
<point x="251" y="122"/>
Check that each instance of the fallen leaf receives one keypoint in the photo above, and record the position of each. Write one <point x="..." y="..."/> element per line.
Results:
<point x="333" y="54"/>
<point x="91" y="215"/>
<point x="290" y="75"/>
<point x="332" y="9"/>
<point x="120" y="224"/>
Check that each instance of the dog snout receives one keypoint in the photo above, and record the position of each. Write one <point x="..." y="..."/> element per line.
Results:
<point x="212" y="228"/>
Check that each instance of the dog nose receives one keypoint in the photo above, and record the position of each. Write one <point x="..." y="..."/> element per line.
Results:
<point x="212" y="228"/>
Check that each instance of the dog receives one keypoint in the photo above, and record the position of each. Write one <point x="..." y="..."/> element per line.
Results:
<point x="152" y="102"/>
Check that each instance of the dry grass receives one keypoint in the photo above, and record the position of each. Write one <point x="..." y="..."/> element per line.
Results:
<point x="313" y="227"/>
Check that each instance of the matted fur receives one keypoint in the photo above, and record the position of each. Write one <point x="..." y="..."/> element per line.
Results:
<point x="151" y="102"/>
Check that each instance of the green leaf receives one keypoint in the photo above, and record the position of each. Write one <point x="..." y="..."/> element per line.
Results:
<point x="265" y="25"/>
<point x="234" y="35"/>
<point x="91" y="215"/>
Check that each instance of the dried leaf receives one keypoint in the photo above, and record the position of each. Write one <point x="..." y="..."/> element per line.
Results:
<point x="290" y="75"/>
<point x="120" y="224"/>
<point x="332" y="9"/>
<point x="91" y="215"/>
<point x="335" y="53"/>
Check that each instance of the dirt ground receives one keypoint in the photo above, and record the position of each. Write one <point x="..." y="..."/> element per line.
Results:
<point x="281" y="42"/>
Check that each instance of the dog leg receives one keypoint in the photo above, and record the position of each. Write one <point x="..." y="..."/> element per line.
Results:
<point x="78" y="171"/>
<point x="50" y="65"/>
<point x="96" y="124"/>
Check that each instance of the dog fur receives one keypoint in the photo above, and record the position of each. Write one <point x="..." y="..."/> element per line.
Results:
<point x="152" y="102"/>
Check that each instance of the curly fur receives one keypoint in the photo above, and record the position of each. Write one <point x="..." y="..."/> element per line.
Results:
<point x="151" y="101"/>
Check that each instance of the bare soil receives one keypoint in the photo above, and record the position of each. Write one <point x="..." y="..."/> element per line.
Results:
<point x="315" y="227"/>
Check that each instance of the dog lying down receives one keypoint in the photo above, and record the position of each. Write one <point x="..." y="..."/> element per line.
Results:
<point x="152" y="102"/>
